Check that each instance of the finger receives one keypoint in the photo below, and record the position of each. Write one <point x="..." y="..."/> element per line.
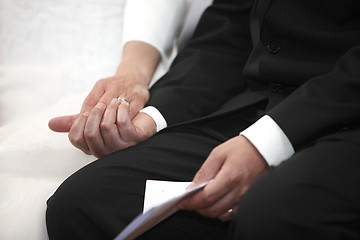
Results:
<point x="211" y="194"/>
<point x="207" y="172"/>
<point x="92" y="132"/>
<point x="63" y="123"/>
<point x="76" y="133"/>
<point x="210" y="167"/>
<point x="109" y="94"/>
<point x="108" y="126"/>
<point x="226" y="177"/>
<point x="214" y="191"/>
<point x="137" y="102"/>
<point x="221" y="206"/>
<point x="125" y="126"/>
<point x="229" y="186"/>
<point x="228" y="215"/>
<point x="93" y="97"/>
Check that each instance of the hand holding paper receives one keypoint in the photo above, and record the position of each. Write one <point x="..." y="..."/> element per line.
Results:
<point x="234" y="165"/>
<point x="158" y="213"/>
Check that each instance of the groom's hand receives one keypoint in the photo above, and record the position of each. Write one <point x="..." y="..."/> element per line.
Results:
<point x="106" y="129"/>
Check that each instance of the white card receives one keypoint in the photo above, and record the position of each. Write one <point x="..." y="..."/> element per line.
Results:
<point x="156" y="214"/>
<point x="158" y="192"/>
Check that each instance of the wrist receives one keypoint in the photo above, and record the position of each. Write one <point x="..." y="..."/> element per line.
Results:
<point x="254" y="151"/>
<point x="269" y="139"/>
<point x="129" y="70"/>
<point x="157" y="117"/>
<point x="149" y="124"/>
<point x="139" y="59"/>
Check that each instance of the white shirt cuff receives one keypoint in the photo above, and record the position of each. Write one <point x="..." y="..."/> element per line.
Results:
<point x="156" y="116"/>
<point x="270" y="140"/>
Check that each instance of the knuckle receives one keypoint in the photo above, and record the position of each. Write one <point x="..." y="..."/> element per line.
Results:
<point x="99" y="109"/>
<point x="235" y="178"/>
<point x="89" y="135"/>
<point x="101" y="82"/>
<point x="208" y="199"/>
<point x="121" y="123"/>
<point x="76" y="141"/>
<point x="112" y="106"/>
<point x="105" y="127"/>
<point x="72" y="137"/>
<point x="216" y="152"/>
<point x="89" y="101"/>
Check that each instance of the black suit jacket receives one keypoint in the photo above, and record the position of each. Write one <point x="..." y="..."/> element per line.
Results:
<point x="302" y="56"/>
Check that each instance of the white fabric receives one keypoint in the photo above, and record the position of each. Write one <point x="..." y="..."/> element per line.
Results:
<point x="270" y="140"/>
<point x="156" y="116"/>
<point x="33" y="163"/>
<point x="51" y="54"/>
<point x="160" y="38"/>
<point x="141" y="18"/>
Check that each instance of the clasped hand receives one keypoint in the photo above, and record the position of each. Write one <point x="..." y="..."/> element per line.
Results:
<point x="106" y="124"/>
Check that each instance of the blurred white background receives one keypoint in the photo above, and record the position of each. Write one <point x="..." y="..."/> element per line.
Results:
<point x="51" y="54"/>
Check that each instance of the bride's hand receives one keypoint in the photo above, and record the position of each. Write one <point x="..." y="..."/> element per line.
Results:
<point x="104" y="90"/>
<point x="127" y="84"/>
<point x="130" y="82"/>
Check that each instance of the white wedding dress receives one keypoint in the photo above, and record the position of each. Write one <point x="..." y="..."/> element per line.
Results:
<point x="51" y="54"/>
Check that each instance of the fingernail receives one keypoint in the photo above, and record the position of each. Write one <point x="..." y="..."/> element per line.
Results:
<point x="100" y="105"/>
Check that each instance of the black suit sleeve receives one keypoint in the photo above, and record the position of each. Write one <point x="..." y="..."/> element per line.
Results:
<point x="323" y="104"/>
<point x="208" y="71"/>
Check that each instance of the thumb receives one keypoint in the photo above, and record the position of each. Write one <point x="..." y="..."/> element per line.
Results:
<point x="210" y="167"/>
<point x="135" y="106"/>
<point x="63" y="123"/>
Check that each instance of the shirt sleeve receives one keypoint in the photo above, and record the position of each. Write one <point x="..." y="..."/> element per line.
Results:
<point x="264" y="134"/>
<point x="269" y="139"/>
<point x="156" y="116"/>
<point x="156" y="22"/>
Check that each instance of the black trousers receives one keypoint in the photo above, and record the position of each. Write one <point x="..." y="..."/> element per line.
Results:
<point x="316" y="193"/>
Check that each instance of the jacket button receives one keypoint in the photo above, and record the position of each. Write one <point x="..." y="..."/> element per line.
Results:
<point x="273" y="47"/>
